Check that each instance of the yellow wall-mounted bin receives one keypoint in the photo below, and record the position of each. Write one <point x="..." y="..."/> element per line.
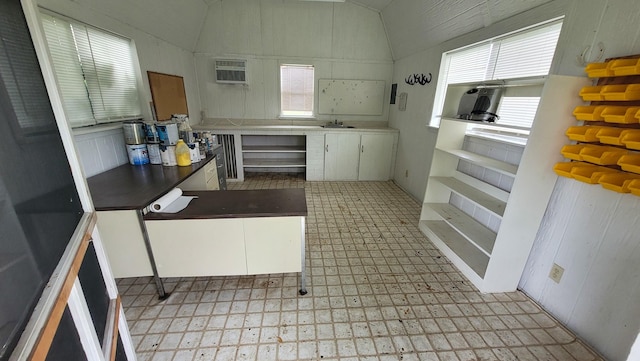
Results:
<point x="590" y="174"/>
<point x="591" y="113"/>
<point x="618" y="181"/>
<point x="621" y="92"/>
<point x="591" y="93"/>
<point x="634" y="187"/>
<point x="630" y="138"/>
<point x="564" y="168"/>
<point x="599" y="70"/>
<point x="621" y="115"/>
<point x="630" y="163"/>
<point x="610" y="135"/>
<point x="572" y="151"/>
<point x="624" y="67"/>
<point x="583" y="133"/>
<point x="601" y="155"/>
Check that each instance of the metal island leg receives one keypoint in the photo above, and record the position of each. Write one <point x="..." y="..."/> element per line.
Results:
<point x="303" y="282"/>
<point x="159" y="285"/>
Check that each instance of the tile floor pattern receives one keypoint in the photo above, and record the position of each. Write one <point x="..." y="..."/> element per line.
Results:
<point x="378" y="290"/>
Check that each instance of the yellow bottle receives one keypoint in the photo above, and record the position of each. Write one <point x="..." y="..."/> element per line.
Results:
<point x="183" y="156"/>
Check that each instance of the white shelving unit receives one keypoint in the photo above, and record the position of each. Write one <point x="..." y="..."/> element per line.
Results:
<point x="493" y="260"/>
<point x="285" y="153"/>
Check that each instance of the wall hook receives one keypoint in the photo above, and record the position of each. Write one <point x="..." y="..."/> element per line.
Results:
<point x="418" y="79"/>
<point x="582" y="58"/>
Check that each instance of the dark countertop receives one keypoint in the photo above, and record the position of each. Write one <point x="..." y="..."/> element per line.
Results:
<point x="130" y="187"/>
<point x="240" y="204"/>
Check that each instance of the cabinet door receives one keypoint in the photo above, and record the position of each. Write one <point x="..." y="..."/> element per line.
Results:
<point x="341" y="156"/>
<point x="376" y="152"/>
<point x="315" y="157"/>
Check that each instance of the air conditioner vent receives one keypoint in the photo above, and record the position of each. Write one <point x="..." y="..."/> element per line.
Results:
<point x="231" y="71"/>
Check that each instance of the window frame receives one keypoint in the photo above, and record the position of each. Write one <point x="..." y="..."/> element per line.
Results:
<point x="492" y="60"/>
<point x="134" y="82"/>
<point x="282" y="112"/>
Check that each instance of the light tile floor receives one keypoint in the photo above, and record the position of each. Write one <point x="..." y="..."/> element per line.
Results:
<point x="378" y="290"/>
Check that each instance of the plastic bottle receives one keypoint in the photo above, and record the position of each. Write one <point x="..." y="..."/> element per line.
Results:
<point x="183" y="155"/>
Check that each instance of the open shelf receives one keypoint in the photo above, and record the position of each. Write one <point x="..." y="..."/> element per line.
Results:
<point x="475" y="122"/>
<point x="484" y="200"/>
<point x="486" y="162"/>
<point x="466" y="226"/>
<point x="274" y="163"/>
<point x="274" y="149"/>
<point x="442" y="234"/>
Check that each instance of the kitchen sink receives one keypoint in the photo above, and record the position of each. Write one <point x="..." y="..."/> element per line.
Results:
<point x="332" y="125"/>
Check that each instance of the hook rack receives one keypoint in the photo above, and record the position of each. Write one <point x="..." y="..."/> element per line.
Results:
<point x="418" y="79"/>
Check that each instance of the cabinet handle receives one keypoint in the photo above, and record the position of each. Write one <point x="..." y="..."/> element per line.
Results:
<point x="362" y="148"/>
<point x="326" y="148"/>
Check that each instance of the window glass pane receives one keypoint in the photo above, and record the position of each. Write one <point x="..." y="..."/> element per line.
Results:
<point x="296" y="90"/>
<point x="95" y="71"/>
<point x="517" y="111"/>
<point x="469" y="65"/>
<point x="66" y="63"/>
<point x="528" y="54"/>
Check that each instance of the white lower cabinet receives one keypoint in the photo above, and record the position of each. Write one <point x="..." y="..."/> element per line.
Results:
<point x="356" y="156"/>
<point x="205" y="179"/>
<point x="376" y="156"/>
<point x="341" y="156"/>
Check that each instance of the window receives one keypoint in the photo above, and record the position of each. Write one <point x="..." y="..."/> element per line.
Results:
<point x="95" y="72"/>
<point x="296" y="91"/>
<point x="523" y="54"/>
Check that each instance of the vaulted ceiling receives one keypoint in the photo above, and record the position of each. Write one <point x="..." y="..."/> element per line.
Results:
<point x="411" y="25"/>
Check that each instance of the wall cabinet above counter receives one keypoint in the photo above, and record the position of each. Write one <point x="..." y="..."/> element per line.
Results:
<point x="360" y="153"/>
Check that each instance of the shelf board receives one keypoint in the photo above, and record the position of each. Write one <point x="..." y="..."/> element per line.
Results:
<point x="475" y="122"/>
<point x="274" y="149"/>
<point x="477" y="196"/>
<point x="274" y="163"/>
<point x="486" y="162"/>
<point x="477" y="234"/>
<point x="459" y="245"/>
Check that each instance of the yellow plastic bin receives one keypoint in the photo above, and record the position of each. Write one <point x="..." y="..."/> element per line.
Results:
<point x="564" y="168"/>
<point x="610" y="135"/>
<point x="583" y="133"/>
<point x="621" y="115"/>
<point x="618" y="181"/>
<point x="634" y="187"/>
<point x="590" y="173"/>
<point x="590" y="113"/>
<point x="572" y="151"/>
<point x="630" y="163"/>
<point x="591" y="93"/>
<point x="599" y="70"/>
<point x="624" y="67"/>
<point x="602" y="155"/>
<point x="621" y="92"/>
<point x="630" y="138"/>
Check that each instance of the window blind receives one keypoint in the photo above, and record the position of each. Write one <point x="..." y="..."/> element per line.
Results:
<point x="296" y="90"/>
<point x="95" y="71"/>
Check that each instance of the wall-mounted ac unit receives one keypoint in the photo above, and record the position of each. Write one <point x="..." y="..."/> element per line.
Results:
<point x="231" y="71"/>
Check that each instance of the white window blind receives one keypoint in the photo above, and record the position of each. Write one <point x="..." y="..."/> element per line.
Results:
<point x="95" y="72"/>
<point x="523" y="54"/>
<point x="296" y="90"/>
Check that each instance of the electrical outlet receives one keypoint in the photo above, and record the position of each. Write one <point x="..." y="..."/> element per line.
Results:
<point x="556" y="273"/>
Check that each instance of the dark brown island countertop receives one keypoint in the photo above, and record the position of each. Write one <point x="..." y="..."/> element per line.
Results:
<point x="240" y="204"/>
<point x="130" y="187"/>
